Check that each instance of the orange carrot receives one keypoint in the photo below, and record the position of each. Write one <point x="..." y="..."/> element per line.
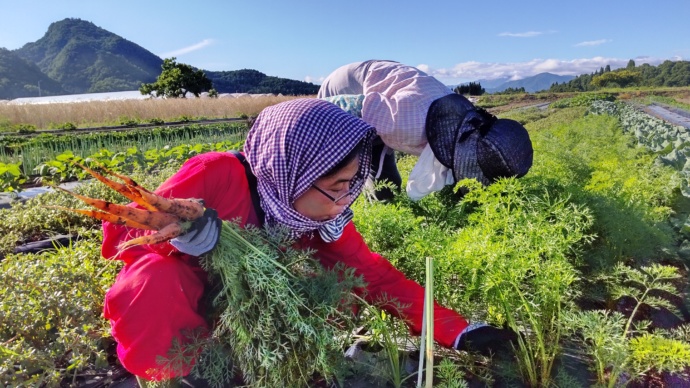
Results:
<point x="117" y="186"/>
<point x="167" y="233"/>
<point x="129" y="181"/>
<point x="187" y="209"/>
<point x="113" y="219"/>
<point x="153" y="219"/>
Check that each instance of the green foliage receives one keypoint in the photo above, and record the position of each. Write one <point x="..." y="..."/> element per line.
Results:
<point x="11" y="177"/>
<point x="64" y="126"/>
<point x="450" y="375"/>
<point x="622" y="79"/>
<point x="25" y="128"/>
<point x="472" y="88"/>
<point x="517" y="256"/>
<point x="128" y="121"/>
<point x="50" y="314"/>
<point x="654" y="353"/>
<point x="512" y="90"/>
<point x="384" y="338"/>
<point x="503" y="254"/>
<point x="524" y="116"/>
<point x="630" y="196"/>
<point x="43" y="149"/>
<point x="621" y="347"/>
<point x="183" y="119"/>
<point x="669" y="73"/>
<point x="515" y="252"/>
<point x="176" y="80"/>
<point x="156" y="121"/>
<point x="28" y="221"/>
<point x="279" y="313"/>
<point x="583" y="99"/>
<point x="253" y="81"/>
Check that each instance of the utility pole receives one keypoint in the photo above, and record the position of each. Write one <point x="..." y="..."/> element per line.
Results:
<point x="39" y="88"/>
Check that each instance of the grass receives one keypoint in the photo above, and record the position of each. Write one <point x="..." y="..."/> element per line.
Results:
<point x="105" y="113"/>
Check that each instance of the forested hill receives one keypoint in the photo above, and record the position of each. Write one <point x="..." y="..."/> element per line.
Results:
<point x="76" y="56"/>
<point x="252" y="81"/>
<point x="669" y="73"/>
<point x="19" y="78"/>
<point x="85" y="58"/>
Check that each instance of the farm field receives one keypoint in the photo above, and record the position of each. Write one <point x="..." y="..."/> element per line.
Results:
<point x="587" y="255"/>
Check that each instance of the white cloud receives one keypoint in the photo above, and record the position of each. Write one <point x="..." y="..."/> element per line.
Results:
<point x="527" y="34"/>
<point x="188" y="49"/>
<point x="592" y="42"/>
<point x="473" y="71"/>
<point x="314" y="80"/>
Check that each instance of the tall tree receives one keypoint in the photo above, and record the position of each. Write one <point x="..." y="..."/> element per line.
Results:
<point x="176" y="80"/>
<point x="631" y="65"/>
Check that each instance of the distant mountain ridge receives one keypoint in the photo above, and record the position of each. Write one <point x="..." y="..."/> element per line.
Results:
<point x="76" y="56"/>
<point x="535" y="83"/>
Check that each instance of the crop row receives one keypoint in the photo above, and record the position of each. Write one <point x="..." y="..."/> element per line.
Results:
<point x="61" y="169"/>
<point x="670" y="142"/>
<point x="30" y="152"/>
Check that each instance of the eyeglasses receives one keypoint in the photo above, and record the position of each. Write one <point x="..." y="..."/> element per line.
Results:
<point x="332" y="198"/>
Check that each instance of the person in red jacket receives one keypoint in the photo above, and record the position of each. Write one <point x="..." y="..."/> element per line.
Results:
<point x="310" y="159"/>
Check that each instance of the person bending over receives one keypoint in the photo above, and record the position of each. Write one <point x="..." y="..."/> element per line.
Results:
<point x="415" y="113"/>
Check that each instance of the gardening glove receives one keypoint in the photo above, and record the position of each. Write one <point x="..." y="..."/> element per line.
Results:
<point x="485" y="339"/>
<point x="202" y="237"/>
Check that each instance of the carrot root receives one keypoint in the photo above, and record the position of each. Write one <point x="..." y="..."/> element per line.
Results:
<point x="154" y="220"/>
<point x="129" y="181"/>
<point x="169" y="232"/>
<point x="117" y="186"/>
<point x="186" y="209"/>
<point x="102" y="216"/>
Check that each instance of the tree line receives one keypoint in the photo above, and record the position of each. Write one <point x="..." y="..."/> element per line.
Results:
<point x="669" y="73"/>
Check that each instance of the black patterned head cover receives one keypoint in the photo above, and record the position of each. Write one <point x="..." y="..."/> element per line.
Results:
<point x="475" y="144"/>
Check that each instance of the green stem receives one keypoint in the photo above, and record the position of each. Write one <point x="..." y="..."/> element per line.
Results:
<point x="251" y="247"/>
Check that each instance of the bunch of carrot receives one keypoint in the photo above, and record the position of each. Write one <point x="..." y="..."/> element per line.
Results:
<point x="170" y="217"/>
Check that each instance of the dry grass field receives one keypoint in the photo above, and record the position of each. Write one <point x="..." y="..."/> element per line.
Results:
<point x="96" y="113"/>
<point x="118" y="112"/>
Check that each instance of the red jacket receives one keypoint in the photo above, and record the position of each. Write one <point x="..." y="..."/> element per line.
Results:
<point x="156" y="295"/>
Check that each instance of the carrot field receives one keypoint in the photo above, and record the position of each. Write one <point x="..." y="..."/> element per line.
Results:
<point x="586" y="256"/>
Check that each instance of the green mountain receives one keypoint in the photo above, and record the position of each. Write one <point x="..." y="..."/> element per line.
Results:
<point x="85" y="58"/>
<point x="76" y="56"/>
<point x="19" y="78"/>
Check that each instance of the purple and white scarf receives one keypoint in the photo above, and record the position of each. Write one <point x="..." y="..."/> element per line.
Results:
<point x="294" y="143"/>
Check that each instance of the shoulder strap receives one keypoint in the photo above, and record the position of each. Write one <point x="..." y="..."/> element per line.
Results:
<point x="251" y="179"/>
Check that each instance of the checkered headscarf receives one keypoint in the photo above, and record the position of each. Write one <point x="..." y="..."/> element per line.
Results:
<point x="294" y="143"/>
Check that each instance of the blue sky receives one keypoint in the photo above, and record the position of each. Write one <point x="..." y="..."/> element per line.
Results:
<point x="454" y="40"/>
